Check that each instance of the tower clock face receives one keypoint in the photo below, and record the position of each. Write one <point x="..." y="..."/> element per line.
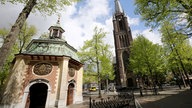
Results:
<point x="71" y="72"/>
<point x="42" y="69"/>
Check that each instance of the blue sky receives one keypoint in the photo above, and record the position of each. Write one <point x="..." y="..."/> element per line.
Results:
<point x="129" y="8"/>
<point x="79" y="20"/>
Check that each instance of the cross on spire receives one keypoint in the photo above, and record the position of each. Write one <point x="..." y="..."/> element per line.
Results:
<point x="58" y="21"/>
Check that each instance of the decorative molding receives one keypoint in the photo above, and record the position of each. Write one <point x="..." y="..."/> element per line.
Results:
<point x="72" y="81"/>
<point x="71" y="72"/>
<point x="39" y="81"/>
<point x="42" y="68"/>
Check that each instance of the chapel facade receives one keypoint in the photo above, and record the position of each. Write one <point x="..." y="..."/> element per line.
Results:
<point x="48" y="74"/>
<point x="124" y="77"/>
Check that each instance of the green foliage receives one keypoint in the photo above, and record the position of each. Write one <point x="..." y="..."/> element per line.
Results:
<point x="146" y="58"/>
<point x="89" y="77"/>
<point x="44" y="6"/>
<point x="44" y="35"/>
<point x="94" y="49"/>
<point x="177" y="48"/>
<point x="5" y="70"/>
<point x="3" y="33"/>
<point x="154" y="12"/>
<point x="27" y="32"/>
<point x="24" y="38"/>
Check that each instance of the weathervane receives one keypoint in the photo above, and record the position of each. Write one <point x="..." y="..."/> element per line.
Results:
<point x="58" y="21"/>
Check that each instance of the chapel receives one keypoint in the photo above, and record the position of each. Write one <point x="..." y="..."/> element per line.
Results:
<point x="48" y="74"/>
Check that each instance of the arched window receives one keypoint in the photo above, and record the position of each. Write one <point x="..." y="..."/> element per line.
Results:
<point x="121" y="25"/>
<point x="55" y="32"/>
<point x="125" y="61"/>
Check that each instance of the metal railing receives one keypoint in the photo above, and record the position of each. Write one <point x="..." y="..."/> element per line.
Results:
<point x="122" y="100"/>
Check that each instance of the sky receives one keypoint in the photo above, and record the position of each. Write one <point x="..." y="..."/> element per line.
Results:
<point x="79" y="20"/>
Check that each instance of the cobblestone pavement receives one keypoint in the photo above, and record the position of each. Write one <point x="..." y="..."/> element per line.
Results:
<point x="171" y="97"/>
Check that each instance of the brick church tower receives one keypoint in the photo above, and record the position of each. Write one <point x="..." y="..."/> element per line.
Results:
<point x="122" y="41"/>
<point x="48" y="74"/>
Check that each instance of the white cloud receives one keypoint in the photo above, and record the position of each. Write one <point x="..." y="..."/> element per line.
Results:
<point x="80" y="27"/>
<point x="133" y="21"/>
<point x="135" y="33"/>
<point x="182" y="19"/>
<point x="78" y="22"/>
<point x="153" y="36"/>
<point x="9" y="13"/>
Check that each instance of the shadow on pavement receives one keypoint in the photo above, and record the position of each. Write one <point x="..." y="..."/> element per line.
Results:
<point x="181" y="100"/>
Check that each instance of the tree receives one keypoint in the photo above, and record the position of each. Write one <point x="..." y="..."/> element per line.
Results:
<point x="3" y="33"/>
<point x="45" y="35"/>
<point x="176" y="45"/>
<point x="4" y="70"/>
<point x="88" y="54"/>
<point x="154" y="12"/>
<point x="27" y="32"/>
<point x="96" y="55"/>
<point x="146" y="59"/>
<point x="44" y="6"/>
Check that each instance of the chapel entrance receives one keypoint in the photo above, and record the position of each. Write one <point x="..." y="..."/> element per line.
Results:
<point x="70" y="94"/>
<point x="38" y="95"/>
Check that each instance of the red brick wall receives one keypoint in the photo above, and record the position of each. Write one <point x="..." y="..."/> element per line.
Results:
<point x="51" y="77"/>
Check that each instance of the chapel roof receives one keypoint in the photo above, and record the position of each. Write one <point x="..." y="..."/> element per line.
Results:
<point x="51" y="47"/>
<point x="52" y="44"/>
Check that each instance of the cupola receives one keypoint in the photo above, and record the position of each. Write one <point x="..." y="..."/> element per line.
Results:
<point x="56" y="31"/>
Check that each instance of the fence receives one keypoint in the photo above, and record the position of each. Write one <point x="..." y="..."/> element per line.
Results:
<point x="122" y="100"/>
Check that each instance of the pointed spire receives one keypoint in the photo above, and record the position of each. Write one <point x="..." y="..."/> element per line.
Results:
<point x="118" y="8"/>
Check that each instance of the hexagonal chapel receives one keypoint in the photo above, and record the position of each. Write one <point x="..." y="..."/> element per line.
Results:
<point x="48" y="74"/>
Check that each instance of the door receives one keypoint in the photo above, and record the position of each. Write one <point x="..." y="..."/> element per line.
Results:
<point x="38" y="95"/>
<point x="70" y="94"/>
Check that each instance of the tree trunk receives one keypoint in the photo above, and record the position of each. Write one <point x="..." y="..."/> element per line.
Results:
<point x="140" y="86"/>
<point x="177" y="78"/>
<point x="185" y="71"/>
<point x="182" y="78"/>
<point x="11" y="38"/>
<point x="180" y="61"/>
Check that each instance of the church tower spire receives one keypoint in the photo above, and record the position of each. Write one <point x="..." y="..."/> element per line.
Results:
<point x="122" y="41"/>
<point x="118" y="8"/>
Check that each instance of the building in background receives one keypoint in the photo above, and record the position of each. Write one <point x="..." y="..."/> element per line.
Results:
<point x="124" y="77"/>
